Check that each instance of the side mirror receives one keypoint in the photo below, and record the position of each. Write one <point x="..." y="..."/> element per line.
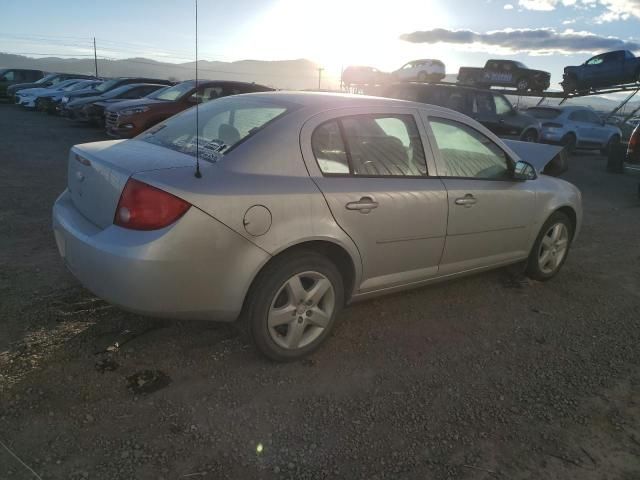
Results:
<point x="524" y="171"/>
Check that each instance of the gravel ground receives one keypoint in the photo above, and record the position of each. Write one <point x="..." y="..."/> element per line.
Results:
<point x="481" y="378"/>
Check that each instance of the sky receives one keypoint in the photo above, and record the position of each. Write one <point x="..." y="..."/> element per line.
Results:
<point x="543" y="34"/>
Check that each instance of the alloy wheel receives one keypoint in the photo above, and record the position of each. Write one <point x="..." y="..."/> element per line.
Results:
<point x="553" y="248"/>
<point x="301" y="310"/>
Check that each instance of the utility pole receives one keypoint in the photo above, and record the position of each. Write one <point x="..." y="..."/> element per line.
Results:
<point x="95" y="55"/>
<point x="320" y="69"/>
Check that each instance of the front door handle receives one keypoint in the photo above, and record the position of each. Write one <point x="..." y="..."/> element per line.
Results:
<point x="364" y="205"/>
<point x="467" y="200"/>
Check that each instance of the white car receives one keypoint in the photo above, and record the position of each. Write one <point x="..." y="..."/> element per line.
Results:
<point x="27" y="97"/>
<point x="426" y="70"/>
<point x="576" y="127"/>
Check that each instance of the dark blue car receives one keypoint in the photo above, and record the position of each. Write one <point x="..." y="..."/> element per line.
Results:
<point x="604" y="70"/>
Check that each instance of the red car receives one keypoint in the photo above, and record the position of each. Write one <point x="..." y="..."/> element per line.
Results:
<point x="132" y="117"/>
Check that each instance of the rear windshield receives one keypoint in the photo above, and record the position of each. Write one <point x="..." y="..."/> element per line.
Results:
<point x="223" y="124"/>
<point x="544" y="113"/>
<point x="173" y="93"/>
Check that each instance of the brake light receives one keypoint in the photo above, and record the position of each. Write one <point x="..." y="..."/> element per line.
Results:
<point x="143" y="207"/>
<point x="633" y="141"/>
<point x="551" y="125"/>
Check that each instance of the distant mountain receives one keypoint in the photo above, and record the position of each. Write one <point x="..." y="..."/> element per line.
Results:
<point x="284" y="74"/>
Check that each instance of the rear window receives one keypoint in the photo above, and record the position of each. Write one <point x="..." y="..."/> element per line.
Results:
<point x="544" y="113"/>
<point x="173" y="93"/>
<point x="223" y="124"/>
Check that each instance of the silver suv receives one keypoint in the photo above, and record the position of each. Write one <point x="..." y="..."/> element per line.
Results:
<point x="576" y="127"/>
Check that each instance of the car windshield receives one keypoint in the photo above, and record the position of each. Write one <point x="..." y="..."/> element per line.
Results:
<point x="46" y="79"/>
<point x="104" y="86"/>
<point x="544" y="113"/>
<point x="224" y="123"/>
<point x="520" y="65"/>
<point x="173" y="93"/>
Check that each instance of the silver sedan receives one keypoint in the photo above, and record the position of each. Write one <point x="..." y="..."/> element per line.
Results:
<point x="281" y="208"/>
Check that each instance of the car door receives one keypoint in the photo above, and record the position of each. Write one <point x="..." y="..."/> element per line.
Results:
<point x="490" y="214"/>
<point x="483" y="109"/>
<point x="598" y="132"/>
<point x="578" y="122"/>
<point x="372" y="168"/>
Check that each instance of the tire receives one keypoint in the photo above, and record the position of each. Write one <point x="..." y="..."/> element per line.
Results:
<point x="272" y="297"/>
<point x="551" y="248"/>
<point x="422" y="77"/>
<point x="569" y="85"/>
<point x="611" y="144"/>
<point x="522" y="85"/>
<point x="569" y="142"/>
<point x="529" y="136"/>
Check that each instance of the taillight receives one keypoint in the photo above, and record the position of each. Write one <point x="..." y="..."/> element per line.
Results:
<point x="632" y="148"/>
<point x="143" y="207"/>
<point x="551" y="125"/>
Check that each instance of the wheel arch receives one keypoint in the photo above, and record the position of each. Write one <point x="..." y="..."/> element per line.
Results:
<point x="571" y="213"/>
<point x="348" y="266"/>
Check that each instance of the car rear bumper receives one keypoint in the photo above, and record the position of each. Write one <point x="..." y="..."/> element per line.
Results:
<point x="194" y="269"/>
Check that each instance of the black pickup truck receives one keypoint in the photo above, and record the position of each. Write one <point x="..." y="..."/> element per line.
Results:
<point x="505" y="73"/>
<point x="604" y="70"/>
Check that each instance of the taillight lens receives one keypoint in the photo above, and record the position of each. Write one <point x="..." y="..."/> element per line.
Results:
<point x="634" y="140"/>
<point x="143" y="207"/>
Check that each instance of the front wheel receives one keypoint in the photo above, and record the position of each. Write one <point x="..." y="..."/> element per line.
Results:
<point x="529" y="136"/>
<point x="613" y="142"/>
<point x="292" y="305"/>
<point x="551" y="248"/>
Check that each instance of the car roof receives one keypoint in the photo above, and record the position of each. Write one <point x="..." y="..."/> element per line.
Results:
<point x="322" y="101"/>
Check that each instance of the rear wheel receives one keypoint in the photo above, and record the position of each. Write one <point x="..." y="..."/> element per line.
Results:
<point x="551" y="248"/>
<point x="569" y="142"/>
<point x="292" y="305"/>
<point x="522" y="85"/>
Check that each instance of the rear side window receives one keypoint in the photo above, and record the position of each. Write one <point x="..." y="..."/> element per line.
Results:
<point x="467" y="153"/>
<point x="370" y="145"/>
<point x="544" y="113"/>
<point x="483" y="103"/>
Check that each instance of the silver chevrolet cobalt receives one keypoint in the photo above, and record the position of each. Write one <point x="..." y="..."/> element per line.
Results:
<point x="302" y="203"/>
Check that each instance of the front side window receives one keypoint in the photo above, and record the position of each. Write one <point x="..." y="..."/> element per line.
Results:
<point x="578" y="116"/>
<point x="503" y="107"/>
<point x="370" y="145"/>
<point x="223" y="124"/>
<point x="467" y="153"/>
<point x="483" y="104"/>
<point x="596" y="60"/>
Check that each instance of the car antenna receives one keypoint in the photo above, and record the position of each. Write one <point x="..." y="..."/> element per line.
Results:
<point x="197" y="174"/>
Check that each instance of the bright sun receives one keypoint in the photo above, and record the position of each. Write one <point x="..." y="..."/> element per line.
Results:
<point x="337" y="33"/>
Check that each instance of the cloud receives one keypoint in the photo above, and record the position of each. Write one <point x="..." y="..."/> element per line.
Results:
<point x="508" y="6"/>
<point x="538" y="41"/>
<point x="569" y="22"/>
<point x="613" y="9"/>
<point x="620" y="10"/>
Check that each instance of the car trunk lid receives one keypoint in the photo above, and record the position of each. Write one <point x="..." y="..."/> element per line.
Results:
<point x="97" y="173"/>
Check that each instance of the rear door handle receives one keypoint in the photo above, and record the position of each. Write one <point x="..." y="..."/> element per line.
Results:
<point x="467" y="200"/>
<point x="364" y="205"/>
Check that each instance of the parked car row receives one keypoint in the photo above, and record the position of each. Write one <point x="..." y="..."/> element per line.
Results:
<point x="124" y="106"/>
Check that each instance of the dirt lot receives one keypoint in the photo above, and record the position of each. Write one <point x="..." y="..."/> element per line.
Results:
<point x="482" y="378"/>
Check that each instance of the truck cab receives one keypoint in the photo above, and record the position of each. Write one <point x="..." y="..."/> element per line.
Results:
<point x="12" y="76"/>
